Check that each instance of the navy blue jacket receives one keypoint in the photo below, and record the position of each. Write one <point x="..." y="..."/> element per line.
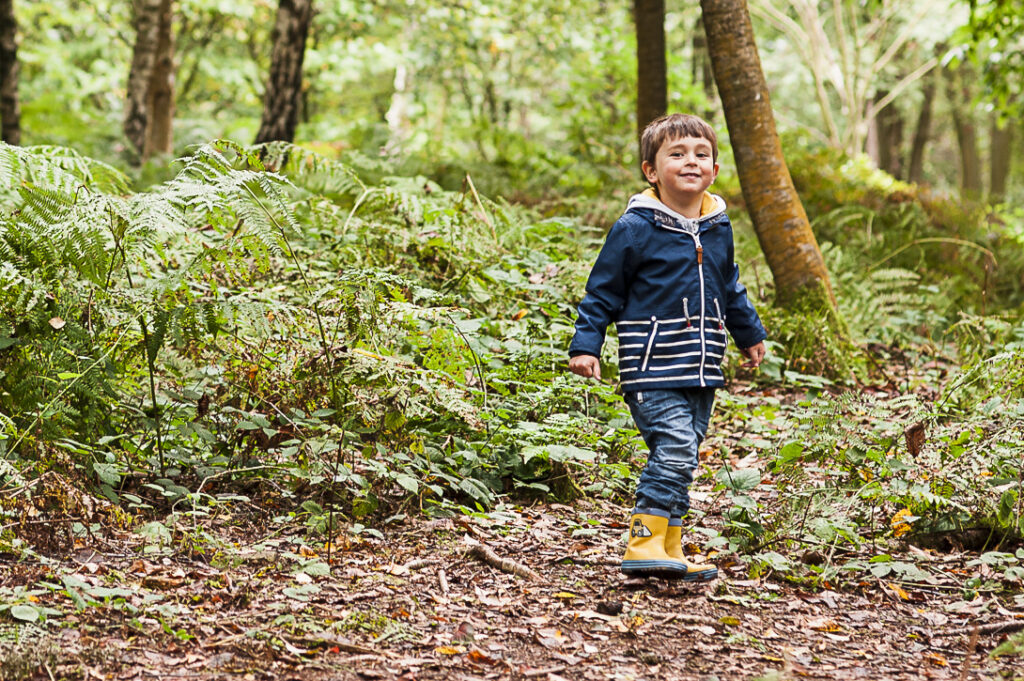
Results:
<point x="671" y="286"/>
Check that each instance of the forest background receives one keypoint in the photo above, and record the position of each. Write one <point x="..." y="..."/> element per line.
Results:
<point x="347" y="334"/>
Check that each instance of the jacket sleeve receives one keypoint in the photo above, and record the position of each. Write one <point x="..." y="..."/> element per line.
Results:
<point x="741" y="318"/>
<point x="606" y="292"/>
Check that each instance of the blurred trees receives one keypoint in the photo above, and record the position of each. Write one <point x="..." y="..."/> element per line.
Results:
<point x="528" y="95"/>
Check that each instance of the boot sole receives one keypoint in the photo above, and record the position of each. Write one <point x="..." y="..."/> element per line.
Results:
<point x="665" y="570"/>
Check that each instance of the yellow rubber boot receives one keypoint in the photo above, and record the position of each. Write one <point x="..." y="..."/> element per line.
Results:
<point x="645" y="553"/>
<point x="695" y="572"/>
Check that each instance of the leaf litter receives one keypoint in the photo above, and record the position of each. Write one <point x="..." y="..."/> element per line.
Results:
<point x="518" y="593"/>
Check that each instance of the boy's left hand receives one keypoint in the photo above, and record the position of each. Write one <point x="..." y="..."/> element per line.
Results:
<point x="755" y="354"/>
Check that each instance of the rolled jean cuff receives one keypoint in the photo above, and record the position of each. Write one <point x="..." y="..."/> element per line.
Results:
<point x="654" y="511"/>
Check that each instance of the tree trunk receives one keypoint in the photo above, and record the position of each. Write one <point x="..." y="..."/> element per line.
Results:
<point x="651" y="72"/>
<point x="283" y="97"/>
<point x="10" y="106"/>
<point x="999" y="164"/>
<point x="889" y="130"/>
<point x="960" y="99"/>
<point x="149" y="107"/>
<point x="922" y="132"/>
<point x="160" y="98"/>
<point x="702" y="69"/>
<point x="779" y="218"/>
<point x="397" y="117"/>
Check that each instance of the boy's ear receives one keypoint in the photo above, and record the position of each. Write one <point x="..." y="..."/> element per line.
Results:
<point x="714" y="175"/>
<point x="652" y="174"/>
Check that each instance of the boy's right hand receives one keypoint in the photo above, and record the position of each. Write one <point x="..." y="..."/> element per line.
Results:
<point x="586" y="366"/>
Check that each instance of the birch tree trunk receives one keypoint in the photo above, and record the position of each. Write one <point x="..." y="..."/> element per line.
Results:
<point x="652" y="75"/>
<point x="283" y="98"/>
<point x="779" y="218"/>
<point x="149" y="108"/>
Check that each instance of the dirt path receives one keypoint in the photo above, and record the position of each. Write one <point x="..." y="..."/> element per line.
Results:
<point x="419" y="604"/>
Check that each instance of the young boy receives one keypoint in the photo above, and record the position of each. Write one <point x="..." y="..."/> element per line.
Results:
<point x="666" y="276"/>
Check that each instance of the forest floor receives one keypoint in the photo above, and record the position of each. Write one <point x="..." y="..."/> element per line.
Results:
<point x="420" y="604"/>
<point x="522" y="592"/>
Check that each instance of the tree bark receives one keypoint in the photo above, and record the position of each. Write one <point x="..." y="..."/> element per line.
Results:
<point x="702" y="69"/>
<point x="780" y="221"/>
<point x="283" y="97"/>
<point x="922" y="131"/>
<point x="960" y="99"/>
<point x="889" y="136"/>
<point x="1001" y="139"/>
<point x="10" y="105"/>
<point x="160" y="98"/>
<point x="651" y="71"/>
<point x="149" y="108"/>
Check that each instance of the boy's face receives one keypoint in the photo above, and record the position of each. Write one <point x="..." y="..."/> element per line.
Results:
<point x="683" y="169"/>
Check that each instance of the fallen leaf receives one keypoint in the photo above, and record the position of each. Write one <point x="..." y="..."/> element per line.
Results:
<point x="450" y="650"/>
<point x="161" y="582"/>
<point x="480" y="657"/>
<point x="899" y="591"/>
<point x="57" y="323"/>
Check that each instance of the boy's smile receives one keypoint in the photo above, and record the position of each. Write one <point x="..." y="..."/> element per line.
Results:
<point x="683" y="169"/>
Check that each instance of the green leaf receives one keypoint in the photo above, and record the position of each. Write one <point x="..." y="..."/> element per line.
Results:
<point x="25" y="613"/>
<point x="739" y="480"/>
<point x="409" y="483"/>
<point x="315" y="568"/>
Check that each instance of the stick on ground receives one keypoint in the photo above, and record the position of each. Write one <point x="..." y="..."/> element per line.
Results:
<point x="485" y="555"/>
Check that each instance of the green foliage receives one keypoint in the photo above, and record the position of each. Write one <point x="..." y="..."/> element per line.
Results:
<point x="812" y="338"/>
<point x="386" y="345"/>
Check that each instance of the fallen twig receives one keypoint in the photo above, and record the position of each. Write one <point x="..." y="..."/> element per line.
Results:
<point x="484" y="554"/>
<point x="971" y="647"/>
<point x="533" y="673"/>
<point x="442" y="580"/>
<point x="1007" y="627"/>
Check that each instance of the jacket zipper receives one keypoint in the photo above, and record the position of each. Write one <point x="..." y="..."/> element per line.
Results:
<point x="721" y="319"/>
<point x="700" y="276"/>
<point x="650" y="344"/>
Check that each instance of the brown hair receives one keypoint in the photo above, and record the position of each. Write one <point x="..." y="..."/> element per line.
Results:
<point x="671" y="127"/>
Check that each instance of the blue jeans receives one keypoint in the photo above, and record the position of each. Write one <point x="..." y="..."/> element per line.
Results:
<point x="673" y="423"/>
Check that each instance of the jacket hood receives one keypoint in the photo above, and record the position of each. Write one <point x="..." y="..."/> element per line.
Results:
<point x="711" y="206"/>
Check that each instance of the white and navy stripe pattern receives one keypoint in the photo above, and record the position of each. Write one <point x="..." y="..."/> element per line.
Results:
<point x="684" y="349"/>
